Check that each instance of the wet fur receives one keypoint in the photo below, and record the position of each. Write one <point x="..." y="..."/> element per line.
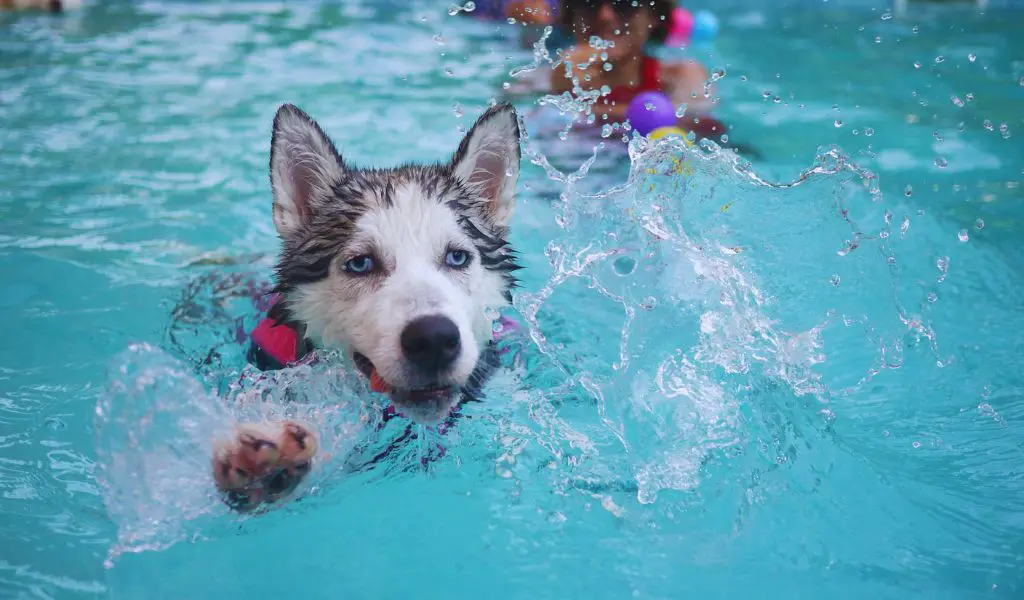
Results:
<point x="407" y="219"/>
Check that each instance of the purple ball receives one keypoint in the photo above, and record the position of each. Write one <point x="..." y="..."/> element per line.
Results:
<point x="645" y="120"/>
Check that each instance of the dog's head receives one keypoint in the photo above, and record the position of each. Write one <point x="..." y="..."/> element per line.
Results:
<point x="403" y="267"/>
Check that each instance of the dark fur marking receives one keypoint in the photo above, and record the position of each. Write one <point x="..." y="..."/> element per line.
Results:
<point x="255" y="443"/>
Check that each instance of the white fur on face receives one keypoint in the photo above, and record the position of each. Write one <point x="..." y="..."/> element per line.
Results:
<point x="367" y="314"/>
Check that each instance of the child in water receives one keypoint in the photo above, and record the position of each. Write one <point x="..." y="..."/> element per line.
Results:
<point x="635" y="27"/>
<point x="529" y="12"/>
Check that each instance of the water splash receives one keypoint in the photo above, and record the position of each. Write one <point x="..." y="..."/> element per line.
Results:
<point x="682" y="248"/>
<point x="156" y="427"/>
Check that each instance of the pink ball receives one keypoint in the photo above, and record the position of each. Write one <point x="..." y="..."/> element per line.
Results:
<point x="682" y="27"/>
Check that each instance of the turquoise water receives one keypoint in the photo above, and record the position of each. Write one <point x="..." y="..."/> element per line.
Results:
<point x="736" y="386"/>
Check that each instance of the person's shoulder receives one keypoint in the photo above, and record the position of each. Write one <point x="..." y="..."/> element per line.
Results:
<point x="682" y="67"/>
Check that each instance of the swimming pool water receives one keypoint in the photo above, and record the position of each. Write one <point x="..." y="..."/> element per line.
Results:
<point x="735" y="388"/>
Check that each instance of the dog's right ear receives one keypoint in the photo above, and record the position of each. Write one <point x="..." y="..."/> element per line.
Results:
<point x="304" y="167"/>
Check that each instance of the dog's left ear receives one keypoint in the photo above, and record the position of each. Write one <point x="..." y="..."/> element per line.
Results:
<point x="487" y="161"/>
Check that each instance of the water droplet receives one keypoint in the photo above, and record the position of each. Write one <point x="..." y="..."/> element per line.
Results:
<point x="457" y="110"/>
<point x="776" y="99"/>
<point x="937" y="136"/>
<point x="455" y="9"/>
<point x="904" y="226"/>
<point x="681" y="111"/>
<point x="909" y="191"/>
<point x="838" y="123"/>
<point x="744" y="78"/>
<point x="767" y="94"/>
<point x="915" y="28"/>
<point x="962" y="235"/>
<point x="939" y="59"/>
<point x="606" y="130"/>
<point x="717" y="74"/>
<point x="956" y="100"/>
<point x="1004" y="129"/>
<point x="878" y="39"/>
<point x="725" y="138"/>
<point x="917" y="64"/>
<point x="438" y="39"/>
<point x="932" y="297"/>
<point x="969" y="97"/>
<point x="988" y="125"/>
<point x="886" y="16"/>
<point x="506" y="86"/>
<point x="449" y="72"/>
<point x="972" y="57"/>
<point x="979" y="224"/>
<point x="917" y="444"/>
<point x="834" y="280"/>
<point x="941" y="162"/>
<point x="868" y="131"/>
<point x="607" y="66"/>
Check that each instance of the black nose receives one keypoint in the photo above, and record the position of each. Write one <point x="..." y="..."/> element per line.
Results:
<point x="431" y="343"/>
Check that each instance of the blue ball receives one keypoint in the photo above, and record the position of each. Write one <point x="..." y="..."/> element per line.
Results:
<point x="705" y="26"/>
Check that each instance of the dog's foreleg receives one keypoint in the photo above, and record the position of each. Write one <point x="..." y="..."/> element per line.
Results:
<point x="263" y="462"/>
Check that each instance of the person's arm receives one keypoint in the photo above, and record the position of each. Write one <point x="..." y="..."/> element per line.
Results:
<point x="588" y="67"/>
<point x="531" y="12"/>
<point x="683" y="83"/>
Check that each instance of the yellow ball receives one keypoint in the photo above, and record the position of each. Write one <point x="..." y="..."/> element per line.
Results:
<point x="661" y="132"/>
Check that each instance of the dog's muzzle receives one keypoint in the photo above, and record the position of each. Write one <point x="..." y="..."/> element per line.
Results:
<point x="431" y="345"/>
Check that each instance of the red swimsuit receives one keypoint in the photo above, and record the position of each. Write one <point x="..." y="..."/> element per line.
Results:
<point x="650" y="71"/>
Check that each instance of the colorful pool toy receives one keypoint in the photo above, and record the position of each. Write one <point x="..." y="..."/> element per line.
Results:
<point x="662" y="132"/>
<point x="649" y="111"/>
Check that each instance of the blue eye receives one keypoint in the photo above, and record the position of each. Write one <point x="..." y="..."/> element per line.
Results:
<point x="456" y="259"/>
<point x="360" y="265"/>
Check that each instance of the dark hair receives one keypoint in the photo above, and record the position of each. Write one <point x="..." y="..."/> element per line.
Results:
<point x="661" y="11"/>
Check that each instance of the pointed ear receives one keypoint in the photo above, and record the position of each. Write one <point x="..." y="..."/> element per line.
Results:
<point x="487" y="161"/>
<point x="304" y="166"/>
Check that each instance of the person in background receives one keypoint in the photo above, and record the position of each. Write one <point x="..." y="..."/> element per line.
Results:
<point x="47" y="5"/>
<point x="527" y="12"/>
<point x="531" y="12"/>
<point x="635" y="27"/>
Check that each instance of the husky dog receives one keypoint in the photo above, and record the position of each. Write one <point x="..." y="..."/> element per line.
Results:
<point x="402" y="268"/>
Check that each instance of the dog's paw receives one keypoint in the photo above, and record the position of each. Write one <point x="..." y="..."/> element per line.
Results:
<point x="263" y="463"/>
